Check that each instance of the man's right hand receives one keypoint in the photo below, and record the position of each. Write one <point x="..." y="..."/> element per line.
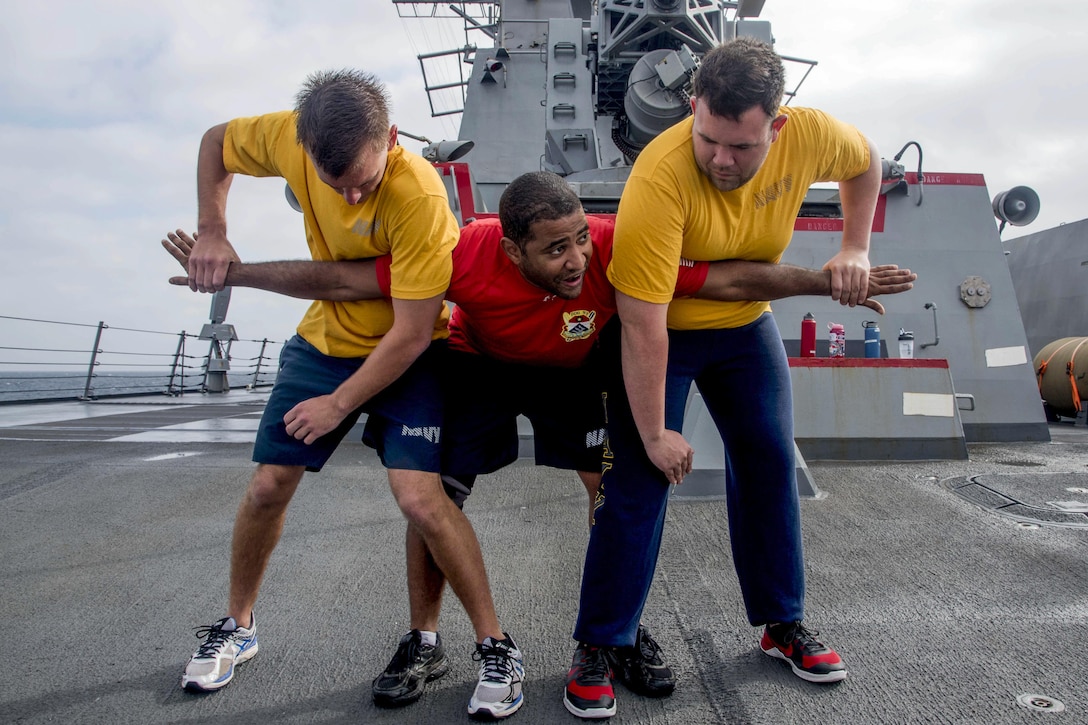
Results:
<point x="180" y="245"/>
<point x="209" y="259"/>
<point x="672" y="455"/>
<point x="887" y="279"/>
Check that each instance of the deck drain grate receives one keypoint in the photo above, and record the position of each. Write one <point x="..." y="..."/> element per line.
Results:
<point x="1040" y="703"/>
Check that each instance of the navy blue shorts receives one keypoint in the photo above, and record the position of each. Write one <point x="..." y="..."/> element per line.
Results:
<point x="484" y="397"/>
<point x="404" y="421"/>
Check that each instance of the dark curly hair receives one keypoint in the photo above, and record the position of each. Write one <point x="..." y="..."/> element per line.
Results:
<point x="531" y="197"/>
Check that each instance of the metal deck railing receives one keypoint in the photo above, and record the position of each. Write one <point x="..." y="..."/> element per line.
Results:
<point x="50" y="360"/>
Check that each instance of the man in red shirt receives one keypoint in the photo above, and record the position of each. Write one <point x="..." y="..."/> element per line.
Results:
<point x="531" y="300"/>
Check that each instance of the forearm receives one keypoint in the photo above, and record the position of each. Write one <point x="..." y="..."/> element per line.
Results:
<point x="644" y="347"/>
<point x="736" y="280"/>
<point x="309" y="280"/>
<point x="406" y="340"/>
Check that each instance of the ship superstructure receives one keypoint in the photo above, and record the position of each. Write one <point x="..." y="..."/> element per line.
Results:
<point x="579" y="87"/>
<point x="589" y="82"/>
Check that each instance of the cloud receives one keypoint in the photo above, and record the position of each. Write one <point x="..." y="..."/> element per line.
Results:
<point x="102" y="106"/>
<point x="983" y="86"/>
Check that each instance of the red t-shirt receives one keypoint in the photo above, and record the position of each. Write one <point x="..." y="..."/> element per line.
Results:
<point x="499" y="314"/>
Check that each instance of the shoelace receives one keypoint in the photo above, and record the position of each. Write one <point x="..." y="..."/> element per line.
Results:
<point x="649" y="648"/>
<point x="594" y="664"/>
<point x="804" y="638"/>
<point x="494" y="662"/>
<point x="215" y="636"/>
<point x="406" y="654"/>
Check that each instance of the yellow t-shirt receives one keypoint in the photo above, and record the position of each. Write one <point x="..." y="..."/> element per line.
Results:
<point x="669" y="209"/>
<point x="408" y="216"/>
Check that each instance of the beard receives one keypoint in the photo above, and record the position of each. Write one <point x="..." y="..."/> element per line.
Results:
<point x="565" y="291"/>
<point x="555" y="285"/>
<point x="725" y="183"/>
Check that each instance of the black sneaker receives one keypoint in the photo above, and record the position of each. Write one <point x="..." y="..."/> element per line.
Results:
<point x="810" y="659"/>
<point x="642" y="667"/>
<point x="589" y="692"/>
<point x="413" y="665"/>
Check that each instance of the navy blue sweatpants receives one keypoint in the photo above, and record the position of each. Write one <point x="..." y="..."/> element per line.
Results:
<point x="743" y="376"/>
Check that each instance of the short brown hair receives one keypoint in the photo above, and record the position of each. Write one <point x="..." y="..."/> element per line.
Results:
<point x="740" y="74"/>
<point x="338" y="113"/>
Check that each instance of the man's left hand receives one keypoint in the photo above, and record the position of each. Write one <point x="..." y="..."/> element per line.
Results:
<point x="313" y="418"/>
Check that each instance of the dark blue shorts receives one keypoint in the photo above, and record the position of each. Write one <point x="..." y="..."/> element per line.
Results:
<point x="484" y="397"/>
<point x="404" y="421"/>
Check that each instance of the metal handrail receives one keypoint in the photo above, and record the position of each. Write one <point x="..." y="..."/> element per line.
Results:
<point x="31" y="371"/>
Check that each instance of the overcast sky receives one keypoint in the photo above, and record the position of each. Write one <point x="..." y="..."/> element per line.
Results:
<point x="102" y="106"/>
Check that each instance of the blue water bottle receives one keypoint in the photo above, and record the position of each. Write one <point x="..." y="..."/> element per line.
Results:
<point x="872" y="339"/>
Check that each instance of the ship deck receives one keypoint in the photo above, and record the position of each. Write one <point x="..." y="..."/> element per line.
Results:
<point x="115" y="523"/>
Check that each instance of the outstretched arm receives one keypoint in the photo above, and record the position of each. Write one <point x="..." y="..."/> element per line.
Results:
<point x="413" y="324"/>
<point x="305" y="279"/>
<point x="736" y="279"/>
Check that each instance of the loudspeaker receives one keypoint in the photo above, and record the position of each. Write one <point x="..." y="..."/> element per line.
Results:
<point x="1017" y="206"/>
<point x="443" y="151"/>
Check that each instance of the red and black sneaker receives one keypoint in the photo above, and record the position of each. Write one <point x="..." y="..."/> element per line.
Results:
<point x="589" y="692"/>
<point x="810" y="659"/>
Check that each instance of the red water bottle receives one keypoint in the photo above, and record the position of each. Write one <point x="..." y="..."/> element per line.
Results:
<point x="808" y="336"/>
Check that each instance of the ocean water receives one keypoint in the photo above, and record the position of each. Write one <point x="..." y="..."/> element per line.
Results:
<point x="25" y="386"/>
<point x="48" y="360"/>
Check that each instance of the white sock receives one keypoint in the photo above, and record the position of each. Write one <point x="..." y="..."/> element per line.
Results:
<point x="429" y="639"/>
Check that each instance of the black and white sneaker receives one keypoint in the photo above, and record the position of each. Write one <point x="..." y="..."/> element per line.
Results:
<point x="642" y="667"/>
<point x="413" y="665"/>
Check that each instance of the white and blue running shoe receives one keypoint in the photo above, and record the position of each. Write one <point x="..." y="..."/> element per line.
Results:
<point x="498" y="693"/>
<point x="225" y="645"/>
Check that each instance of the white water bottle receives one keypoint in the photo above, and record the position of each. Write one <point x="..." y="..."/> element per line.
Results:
<point x="906" y="344"/>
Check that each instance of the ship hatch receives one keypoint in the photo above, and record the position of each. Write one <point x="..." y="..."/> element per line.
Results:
<point x="1043" y="498"/>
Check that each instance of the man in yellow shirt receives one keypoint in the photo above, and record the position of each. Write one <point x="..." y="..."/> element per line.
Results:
<point x="361" y="195"/>
<point x="726" y="183"/>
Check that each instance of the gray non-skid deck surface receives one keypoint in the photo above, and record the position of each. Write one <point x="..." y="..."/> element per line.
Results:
<point x="113" y="552"/>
